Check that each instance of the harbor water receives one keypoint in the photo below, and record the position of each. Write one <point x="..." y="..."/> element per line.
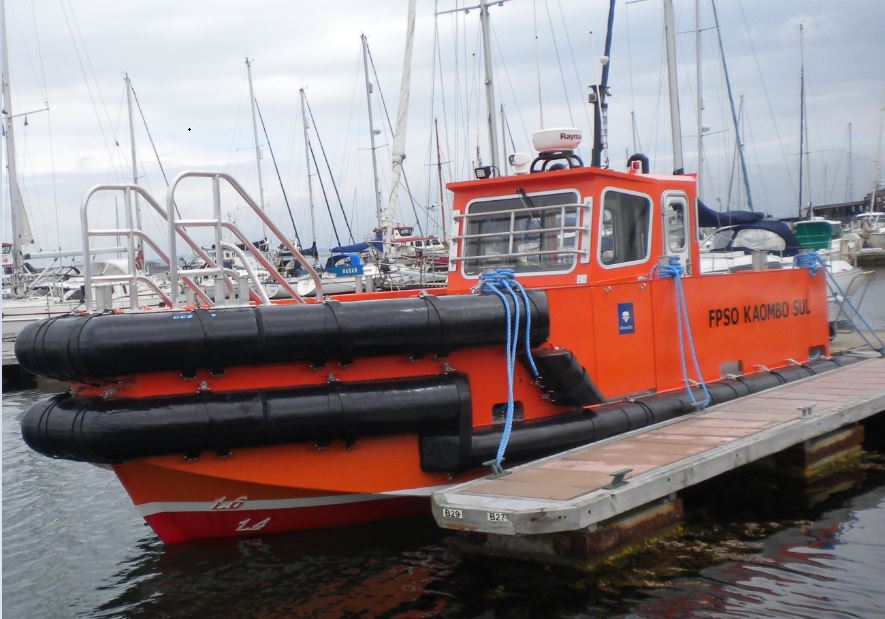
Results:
<point x="74" y="546"/>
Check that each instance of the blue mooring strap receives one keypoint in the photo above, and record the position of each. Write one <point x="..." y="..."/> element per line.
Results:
<point x="674" y="270"/>
<point x="812" y="261"/>
<point x="498" y="282"/>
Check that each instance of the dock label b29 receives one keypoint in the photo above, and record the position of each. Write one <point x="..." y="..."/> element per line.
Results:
<point x="759" y="312"/>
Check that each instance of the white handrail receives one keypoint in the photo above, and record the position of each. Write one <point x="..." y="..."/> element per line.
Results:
<point x="216" y="177"/>
<point x="86" y="233"/>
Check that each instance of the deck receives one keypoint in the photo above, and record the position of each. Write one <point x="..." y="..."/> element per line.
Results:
<point x="573" y="490"/>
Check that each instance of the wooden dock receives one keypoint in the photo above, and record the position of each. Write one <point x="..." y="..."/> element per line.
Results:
<point x="574" y="491"/>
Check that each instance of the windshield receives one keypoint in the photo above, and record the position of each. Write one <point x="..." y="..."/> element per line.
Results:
<point x="718" y="241"/>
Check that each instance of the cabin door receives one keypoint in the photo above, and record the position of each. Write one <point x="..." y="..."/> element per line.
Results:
<point x="675" y="227"/>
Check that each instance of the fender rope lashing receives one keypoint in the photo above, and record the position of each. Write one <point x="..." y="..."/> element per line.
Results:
<point x="812" y="261"/>
<point x="674" y="270"/>
<point x="503" y="283"/>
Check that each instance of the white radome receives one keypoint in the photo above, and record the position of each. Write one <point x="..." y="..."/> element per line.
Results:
<point x="548" y="140"/>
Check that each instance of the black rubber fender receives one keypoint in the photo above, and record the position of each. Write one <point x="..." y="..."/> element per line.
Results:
<point x="104" y="346"/>
<point x="106" y="430"/>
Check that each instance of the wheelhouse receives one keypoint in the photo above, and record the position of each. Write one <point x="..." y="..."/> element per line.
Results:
<point x="571" y="227"/>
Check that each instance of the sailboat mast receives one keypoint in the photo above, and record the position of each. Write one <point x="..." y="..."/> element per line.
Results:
<point x="490" y="87"/>
<point x="398" y="153"/>
<point x="442" y="200"/>
<point x="849" y="181"/>
<point x="801" y="110"/>
<point x="734" y="115"/>
<point x="379" y="212"/>
<point x="877" y="171"/>
<point x="505" y="171"/>
<point x="675" y="122"/>
<point x="700" y="102"/>
<point x="21" y="228"/>
<point x="139" y="243"/>
<point x="257" y="145"/>
<point x="313" y="230"/>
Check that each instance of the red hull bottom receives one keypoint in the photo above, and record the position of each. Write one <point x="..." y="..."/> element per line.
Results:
<point x="180" y="526"/>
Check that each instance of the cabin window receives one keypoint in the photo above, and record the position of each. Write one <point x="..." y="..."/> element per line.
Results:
<point x="625" y="229"/>
<point x="674" y="225"/>
<point x="527" y="233"/>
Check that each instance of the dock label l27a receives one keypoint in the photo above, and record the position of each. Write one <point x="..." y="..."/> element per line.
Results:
<point x="759" y="312"/>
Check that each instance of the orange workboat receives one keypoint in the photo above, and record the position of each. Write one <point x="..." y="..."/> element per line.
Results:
<point x="574" y="310"/>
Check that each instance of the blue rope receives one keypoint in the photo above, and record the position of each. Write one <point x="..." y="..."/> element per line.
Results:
<point x="497" y="282"/>
<point x="813" y="262"/>
<point x="674" y="270"/>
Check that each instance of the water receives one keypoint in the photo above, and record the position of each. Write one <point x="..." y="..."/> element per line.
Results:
<point x="73" y="546"/>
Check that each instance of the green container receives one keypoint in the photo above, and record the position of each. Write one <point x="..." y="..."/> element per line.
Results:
<point x="813" y="234"/>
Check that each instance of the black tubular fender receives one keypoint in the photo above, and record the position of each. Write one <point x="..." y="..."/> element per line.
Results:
<point x="565" y="431"/>
<point x="104" y="346"/>
<point x="106" y="430"/>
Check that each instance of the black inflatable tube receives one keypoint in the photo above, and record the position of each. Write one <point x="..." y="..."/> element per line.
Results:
<point x="107" y="345"/>
<point x="439" y="453"/>
<point x="98" y="430"/>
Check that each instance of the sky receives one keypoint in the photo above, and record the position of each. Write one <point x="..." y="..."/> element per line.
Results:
<point x="186" y="62"/>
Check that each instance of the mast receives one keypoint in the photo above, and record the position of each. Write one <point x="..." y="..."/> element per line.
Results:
<point x="139" y="243"/>
<point x="490" y="87"/>
<point x="442" y="200"/>
<point x="878" y="170"/>
<point x="21" y="227"/>
<point x="313" y="230"/>
<point x="598" y="96"/>
<point x="537" y="64"/>
<point x="849" y="181"/>
<point x="506" y="171"/>
<point x="379" y="213"/>
<point x="399" y="139"/>
<point x="801" y="110"/>
<point x="257" y="145"/>
<point x="675" y="122"/>
<point x="734" y="116"/>
<point x="700" y="102"/>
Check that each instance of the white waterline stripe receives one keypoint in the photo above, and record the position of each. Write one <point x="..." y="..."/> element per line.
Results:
<point x="147" y="509"/>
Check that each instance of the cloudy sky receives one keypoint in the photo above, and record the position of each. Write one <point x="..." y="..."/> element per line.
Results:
<point x="186" y="61"/>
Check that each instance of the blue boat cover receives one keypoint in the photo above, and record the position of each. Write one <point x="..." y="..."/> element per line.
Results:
<point x="708" y="218"/>
<point x="358" y="247"/>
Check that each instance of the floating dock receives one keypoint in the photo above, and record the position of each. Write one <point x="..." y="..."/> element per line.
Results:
<point x="586" y="501"/>
<point x="871" y="256"/>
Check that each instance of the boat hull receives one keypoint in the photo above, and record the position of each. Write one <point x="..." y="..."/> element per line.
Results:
<point x="181" y="522"/>
<point x="280" y="488"/>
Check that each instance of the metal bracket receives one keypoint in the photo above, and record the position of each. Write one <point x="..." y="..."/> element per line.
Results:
<point x="807" y="409"/>
<point x="618" y="479"/>
<point x="497" y="471"/>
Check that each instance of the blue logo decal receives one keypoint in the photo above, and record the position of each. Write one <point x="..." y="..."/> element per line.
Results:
<point x="625" y="319"/>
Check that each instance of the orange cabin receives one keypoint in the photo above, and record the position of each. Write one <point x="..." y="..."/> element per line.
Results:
<point x="591" y="237"/>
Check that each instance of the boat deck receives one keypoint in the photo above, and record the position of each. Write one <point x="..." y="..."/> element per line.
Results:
<point x="574" y="490"/>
